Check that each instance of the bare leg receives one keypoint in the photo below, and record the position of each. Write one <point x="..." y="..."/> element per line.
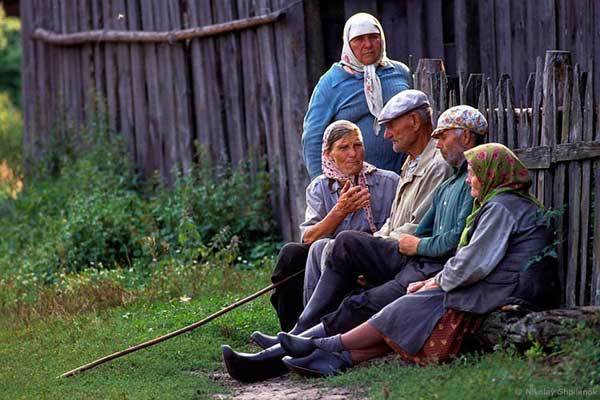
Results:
<point x="363" y="336"/>
<point x="364" y="342"/>
<point x="361" y="355"/>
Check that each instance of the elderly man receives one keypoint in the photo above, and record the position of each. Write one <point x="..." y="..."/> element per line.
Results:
<point x="390" y="263"/>
<point x="408" y="126"/>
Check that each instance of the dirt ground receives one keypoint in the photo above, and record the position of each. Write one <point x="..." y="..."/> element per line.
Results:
<point x="284" y="387"/>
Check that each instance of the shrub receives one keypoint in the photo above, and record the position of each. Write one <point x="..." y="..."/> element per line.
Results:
<point x="95" y="213"/>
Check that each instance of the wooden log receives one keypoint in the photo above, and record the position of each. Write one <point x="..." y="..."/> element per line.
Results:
<point x="270" y="110"/>
<point x="110" y="35"/>
<point x="229" y="61"/>
<point x="524" y="329"/>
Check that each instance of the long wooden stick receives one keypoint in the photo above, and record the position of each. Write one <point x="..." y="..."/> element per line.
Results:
<point x="179" y="331"/>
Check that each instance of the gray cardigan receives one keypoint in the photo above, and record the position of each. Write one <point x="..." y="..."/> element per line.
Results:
<point x="509" y="233"/>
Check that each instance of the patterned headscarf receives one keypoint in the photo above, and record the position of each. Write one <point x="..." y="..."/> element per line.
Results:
<point x="498" y="170"/>
<point x="331" y="170"/>
<point x="362" y="24"/>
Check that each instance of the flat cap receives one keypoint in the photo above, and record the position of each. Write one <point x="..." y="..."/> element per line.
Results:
<point x="462" y="117"/>
<point x="402" y="103"/>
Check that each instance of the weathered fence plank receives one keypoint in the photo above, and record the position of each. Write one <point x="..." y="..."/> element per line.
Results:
<point x="143" y="139"/>
<point x="229" y="61"/>
<point x="251" y="81"/>
<point x="291" y="46"/>
<point x="270" y="112"/>
<point x="181" y="96"/>
<point x="124" y="85"/>
<point x="156" y="119"/>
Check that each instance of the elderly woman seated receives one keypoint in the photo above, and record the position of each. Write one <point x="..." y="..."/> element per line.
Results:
<point x="350" y="195"/>
<point x="501" y="260"/>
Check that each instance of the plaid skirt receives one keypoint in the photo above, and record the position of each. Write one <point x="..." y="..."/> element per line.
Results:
<point x="445" y="340"/>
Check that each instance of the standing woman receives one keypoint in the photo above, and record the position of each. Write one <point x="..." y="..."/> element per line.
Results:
<point x="355" y="89"/>
<point x="501" y="260"/>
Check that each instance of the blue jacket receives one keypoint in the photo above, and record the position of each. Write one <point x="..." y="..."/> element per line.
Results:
<point x="340" y="95"/>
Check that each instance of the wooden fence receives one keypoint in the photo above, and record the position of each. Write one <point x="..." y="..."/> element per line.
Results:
<point x="232" y="75"/>
<point x="554" y="128"/>
<point x="167" y="74"/>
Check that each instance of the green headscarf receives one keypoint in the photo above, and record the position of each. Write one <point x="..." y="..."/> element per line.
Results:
<point x="498" y="170"/>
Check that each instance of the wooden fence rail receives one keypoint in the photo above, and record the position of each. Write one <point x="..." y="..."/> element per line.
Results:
<point x="242" y="95"/>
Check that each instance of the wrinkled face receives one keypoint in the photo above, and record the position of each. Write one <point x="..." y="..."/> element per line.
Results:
<point x="401" y="131"/>
<point x="451" y="147"/>
<point x="366" y="48"/>
<point x="474" y="182"/>
<point x="348" y="153"/>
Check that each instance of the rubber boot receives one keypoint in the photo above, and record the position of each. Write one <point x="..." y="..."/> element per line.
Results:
<point x="245" y="367"/>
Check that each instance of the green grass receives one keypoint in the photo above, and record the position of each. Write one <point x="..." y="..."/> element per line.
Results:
<point x="33" y="356"/>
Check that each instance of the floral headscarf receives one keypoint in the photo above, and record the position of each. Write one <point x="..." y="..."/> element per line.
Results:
<point x="498" y="170"/>
<point x="331" y="170"/>
<point x="362" y="24"/>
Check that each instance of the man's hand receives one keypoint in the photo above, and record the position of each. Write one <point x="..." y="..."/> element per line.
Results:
<point x="422" y="285"/>
<point x="407" y="244"/>
<point x="352" y="198"/>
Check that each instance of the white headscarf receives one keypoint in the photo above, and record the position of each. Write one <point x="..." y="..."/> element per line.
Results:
<point x="363" y="24"/>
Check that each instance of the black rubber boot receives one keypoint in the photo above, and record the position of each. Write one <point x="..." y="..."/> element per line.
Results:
<point x="318" y="363"/>
<point x="296" y="346"/>
<point x="245" y="367"/>
<point x="262" y="340"/>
